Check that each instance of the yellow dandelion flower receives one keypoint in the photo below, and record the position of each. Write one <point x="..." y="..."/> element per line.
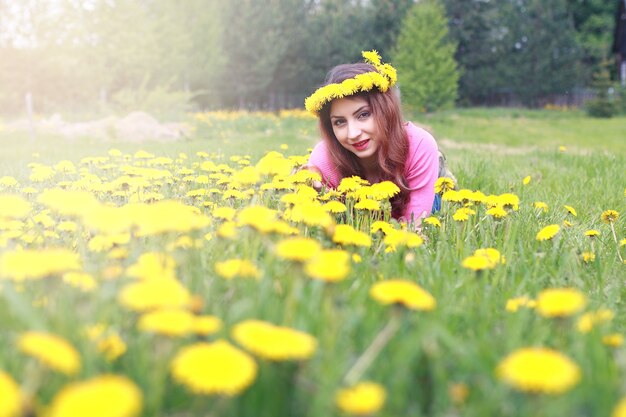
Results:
<point x="101" y="396"/>
<point x="592" y="233"/>
<point x="152" y="265"/>
<point x="328" y="265"/>
<point x="571" y="210"/>
<point x="351" y="184"/>
<point x="452" y="195"/>
<point x="526" y="180"/>
<point x="206" y="325"/>
<point x="11" y="403"/>
<point x="622" y="242"/>
<point x="214" y="368"/>
<point x="399" y="238"/>
<point x="406" y="293"/>
<point x="283" y="228"/>
<point x="382" y="190"/>
<point x="154" y="293"/>
<point x="297" y="248"/>
<point x="14" y="207"/>
<point x="260" y="218"/>
<point x="382" y="226"/>
<point x="620" y="409"/>
<point x="227" y="230"/>
<point x="272" y="342"/>
<point x="68" y="203"/>
<point x="443" y="184"/>
<point x="492" y="254"/>
<point x="560" y="302"/>
<point x="232" y="268"/>
<point x="112" y="346"/>
<point x="67" y="226"/>
<point x="309" y="214"/>
<point x="335" y="207"/>
<point x="540" y="205"/>
<point x="477" y="263"/>
<point x="41" y="173"/>
<point x="363" y="399"/>
<point x="20" y="265"/>
<point x="609" y="216"/>
<point x="305" y="176"/>
<point x="548" y="232"/>
<point x="462" y="214"/>
<point x="81" y="280"/>
<point x="168" y="322"/>
<point x="588" y="257"/>
<point x="224" y="213"/>
<point x="51" y="350"/>
<point x="486" y="258"/>
<point x="433" y="221"/>
<point x="497" y="212"/>
<point x="567" y="224"/>
<point x="372" y="57"/>
<point x="513" y="304"/>
<point x="166" y="216"/>
<point x="8" y="182"/>
<point x="613" y="340"/>
<point x="345" y="234"/>
<point x="590" y="319"/>
<point x="562" y="148"/>
<point x="367" y="204"/>
<point x="539" y="370"/>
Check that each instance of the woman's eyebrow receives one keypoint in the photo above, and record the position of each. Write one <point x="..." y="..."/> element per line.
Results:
<point x="366" y="107"/>
<point x="360" y="109"/>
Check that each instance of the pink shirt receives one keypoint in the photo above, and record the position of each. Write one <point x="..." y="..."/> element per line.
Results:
<point x="421" y="170"/>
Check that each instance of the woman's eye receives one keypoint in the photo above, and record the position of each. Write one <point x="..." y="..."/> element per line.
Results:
<point x="338" y="122"/>
<point x="364" y="115"/>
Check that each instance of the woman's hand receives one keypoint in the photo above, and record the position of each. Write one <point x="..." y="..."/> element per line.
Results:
<point x="316" y="184"/>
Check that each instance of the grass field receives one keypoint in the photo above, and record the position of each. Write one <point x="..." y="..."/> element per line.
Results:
<point x="166" y="265"/>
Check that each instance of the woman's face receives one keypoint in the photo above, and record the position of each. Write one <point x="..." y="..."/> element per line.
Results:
<point x="355" y="127"/>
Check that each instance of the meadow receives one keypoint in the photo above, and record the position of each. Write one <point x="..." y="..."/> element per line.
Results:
<point x="206" y="276"/>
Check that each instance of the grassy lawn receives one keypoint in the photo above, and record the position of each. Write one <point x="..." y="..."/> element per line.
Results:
<point x="214" y="245"/>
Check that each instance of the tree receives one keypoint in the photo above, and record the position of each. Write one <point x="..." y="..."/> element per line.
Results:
<point x="424" y="56"/>
<point x="593" y="21"/>
<point x="540" y="51"/>
<point x="475" y="26"/>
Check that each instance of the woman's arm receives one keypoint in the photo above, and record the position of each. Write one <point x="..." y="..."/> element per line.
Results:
<point x="320" y="162"/>
<point x="421" y="170"/>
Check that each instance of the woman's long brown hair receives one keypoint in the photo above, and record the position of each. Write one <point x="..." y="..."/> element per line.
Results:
<point x="393" y="143"/>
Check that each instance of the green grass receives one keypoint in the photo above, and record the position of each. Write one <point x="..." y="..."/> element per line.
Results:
<point x="461" y="341"/>
<point x="530" y="129"/>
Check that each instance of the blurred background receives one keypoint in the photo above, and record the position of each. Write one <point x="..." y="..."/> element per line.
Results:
<point x="89" y="58"/>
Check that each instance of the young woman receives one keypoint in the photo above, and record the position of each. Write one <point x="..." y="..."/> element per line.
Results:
<point x="364" y="134"/>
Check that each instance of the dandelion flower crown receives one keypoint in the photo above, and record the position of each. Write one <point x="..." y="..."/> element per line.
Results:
<point x="383" y="78"/>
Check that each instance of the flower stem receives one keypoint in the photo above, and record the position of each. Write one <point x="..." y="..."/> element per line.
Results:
<point x="373" y="350"/>
<point x="619" y="255"/>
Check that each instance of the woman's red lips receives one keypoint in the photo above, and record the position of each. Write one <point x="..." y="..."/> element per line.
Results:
<point x="361" y="145"/>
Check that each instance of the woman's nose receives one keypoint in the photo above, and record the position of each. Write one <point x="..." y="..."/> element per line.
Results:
<point x="354" y="131"/>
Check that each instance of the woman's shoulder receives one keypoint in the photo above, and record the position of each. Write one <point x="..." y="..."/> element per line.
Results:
<point x="419" y="137"/>
<point x="320" y="151"/>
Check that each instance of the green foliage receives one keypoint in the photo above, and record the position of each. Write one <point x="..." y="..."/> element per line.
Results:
<point x="620" y="98"/>
<point x="594" y="21"/>
<point x="602" y="105"/>
<point x="424" y="57"/>
<point x="522" y="50"/>
<point x="75" y="56"/>
<point x="474" y="26"/>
